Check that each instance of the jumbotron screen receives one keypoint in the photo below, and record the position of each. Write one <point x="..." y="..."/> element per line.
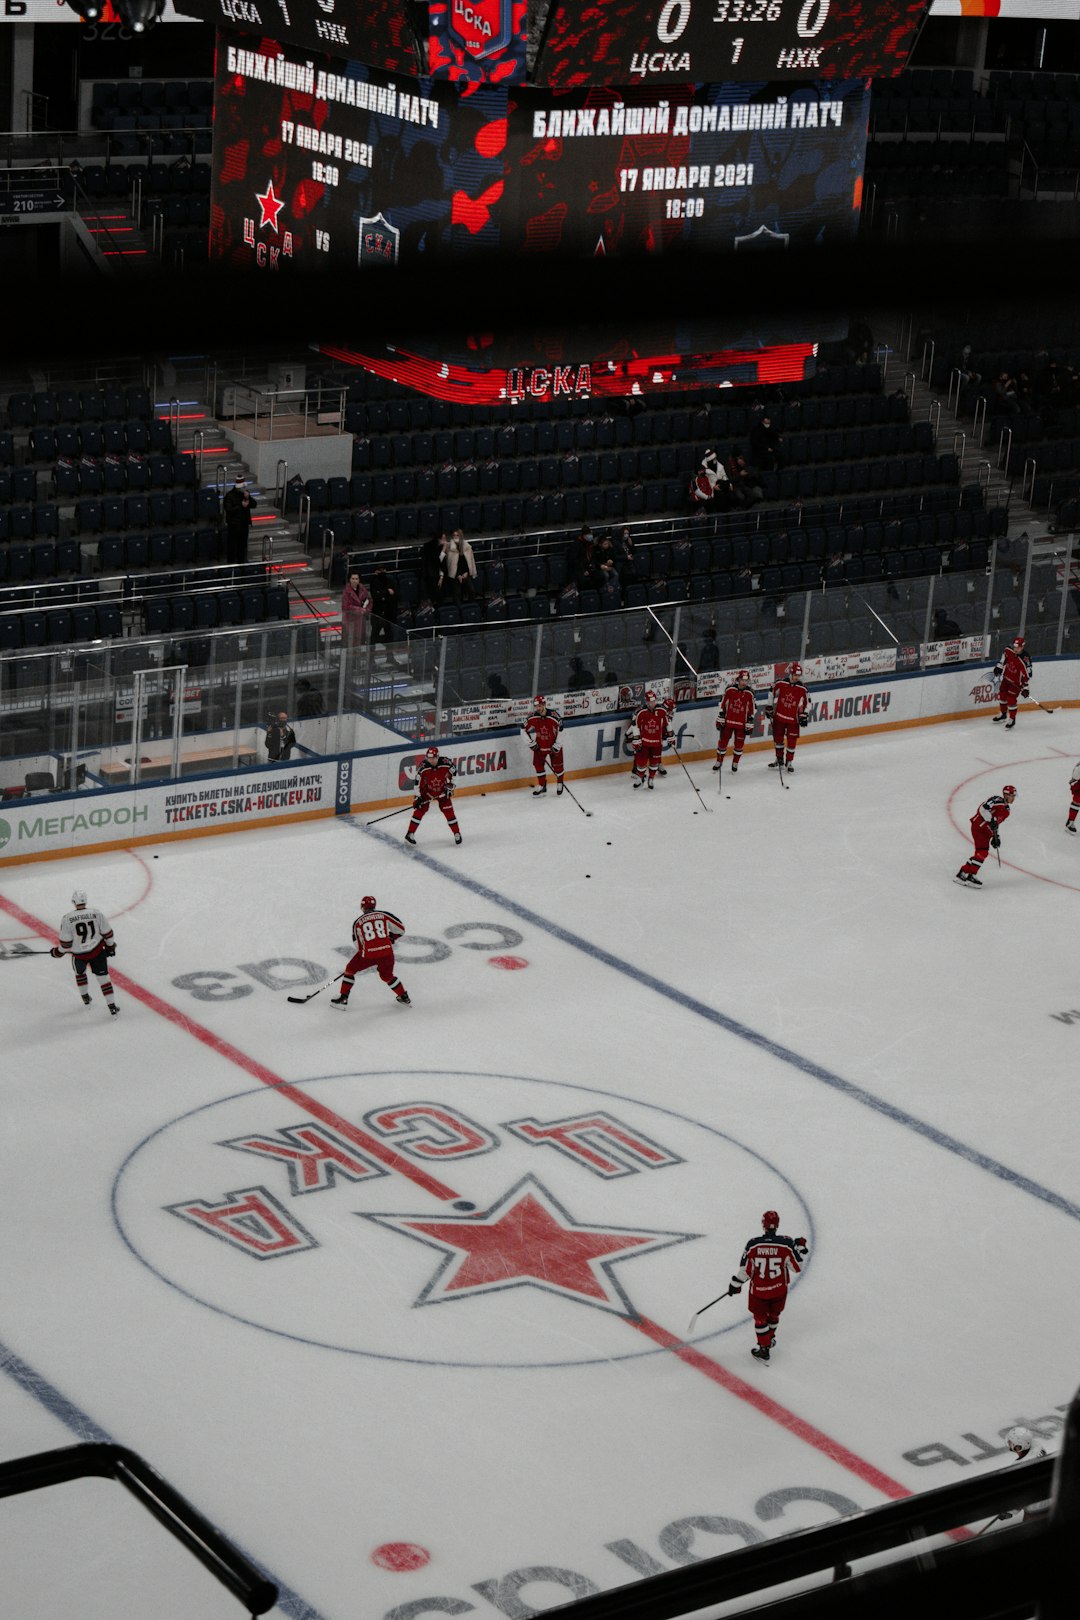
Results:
<point x="320" y="161"/>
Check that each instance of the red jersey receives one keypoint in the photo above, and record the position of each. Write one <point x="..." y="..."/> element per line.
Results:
<point x="652" y="725"/>
<point x="768" y="1262"/>
<point x="993" y="810"/>
<point x="376" y="928"/>
<point x="790" y="699"/>
<point x="1014" y="668"/>
<point x="436" y="781"/>
<point x="543" y="729"/>
<point x="736" y="707"/>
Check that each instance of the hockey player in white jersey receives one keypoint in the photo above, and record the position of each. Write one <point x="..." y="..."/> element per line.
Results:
<point x="86" y="937"/>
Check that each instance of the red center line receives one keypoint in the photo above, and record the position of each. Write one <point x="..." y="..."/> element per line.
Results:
<point x="190" y="1026"/>
<point x="799" y="1427"/>
<point x="729" y="1381"/>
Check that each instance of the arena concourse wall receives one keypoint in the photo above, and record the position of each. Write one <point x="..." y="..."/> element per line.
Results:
<point x="492" y="754"/>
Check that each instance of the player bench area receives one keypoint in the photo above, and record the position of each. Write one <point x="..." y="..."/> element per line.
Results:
<point x="153" y="768"/>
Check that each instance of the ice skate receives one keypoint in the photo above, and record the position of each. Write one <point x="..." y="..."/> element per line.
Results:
<point x="409" y="839"/>
<point x="538" y="790"/>
<point x="1070" y="826"/>
<point x="113" y="1008"/>
<point x="85" y="999"/>
<point x="339" y="1001"/>
<point x="403" y="999"/>
<point x="759" y="1353"/>
<point x="558" y="788"/>
<point x="998" y="718"/>
<point x="457" y="838"/>
<point x="1009" y="724"/>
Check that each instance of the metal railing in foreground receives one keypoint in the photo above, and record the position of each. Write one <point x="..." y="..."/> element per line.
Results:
<point x="197" y="1535"/>
<point x="1012" y="1574"/>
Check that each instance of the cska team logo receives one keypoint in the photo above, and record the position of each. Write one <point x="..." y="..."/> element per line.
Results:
<point x="480" y="27"/>
<point x="378" y="242"/>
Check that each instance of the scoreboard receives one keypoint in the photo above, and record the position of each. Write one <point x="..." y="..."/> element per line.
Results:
<point x="577" y="43"/>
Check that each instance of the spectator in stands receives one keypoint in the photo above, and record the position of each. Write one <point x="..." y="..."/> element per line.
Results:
<point x="584" y="567"/>
<point x="624" y="556"/>
<point x="355" y="611"/>
<point x="309" y="703"/>
<point x="709" y="485"/>
<point x="1005" y="398"/>
<point x="744" y="490"/>
<point x="280" y="738"/>
<point x="610" y="583"/>
<point x="461" y="567"/>
<point x="945" y="629"/>
<point x="580" y="678"/>
<point x="497" y="687"/>
<point x="766" y="445"/>
<point x="236" y="510"/>
<point x="709" y="656"/>
<point x="384" y="602"/>
<point x="433" y="568"/>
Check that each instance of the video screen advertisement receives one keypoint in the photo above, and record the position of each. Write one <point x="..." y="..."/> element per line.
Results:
<point x="318" y="160"/>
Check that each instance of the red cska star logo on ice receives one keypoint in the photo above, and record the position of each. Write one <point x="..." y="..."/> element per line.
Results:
<point x="527" y="1238"/>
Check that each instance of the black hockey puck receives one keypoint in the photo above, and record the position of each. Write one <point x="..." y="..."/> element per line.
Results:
<point x="463" y="1203"/>
<point x="588" y="874"/>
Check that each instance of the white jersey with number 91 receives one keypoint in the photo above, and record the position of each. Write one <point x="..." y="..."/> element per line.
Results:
<point x="82" y="931"/>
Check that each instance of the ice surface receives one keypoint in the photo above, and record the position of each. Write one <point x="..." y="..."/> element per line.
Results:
<point x="770" y="999"/>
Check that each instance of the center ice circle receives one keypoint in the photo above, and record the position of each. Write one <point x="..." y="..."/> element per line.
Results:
<point x="352" y="1227"/>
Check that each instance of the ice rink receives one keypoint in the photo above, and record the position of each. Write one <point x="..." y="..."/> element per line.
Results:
<point x="398" y="1297"/>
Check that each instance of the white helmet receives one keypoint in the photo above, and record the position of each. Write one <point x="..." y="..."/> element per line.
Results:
<point x="1020" y="1439"/>
<point x="78" y="897"/>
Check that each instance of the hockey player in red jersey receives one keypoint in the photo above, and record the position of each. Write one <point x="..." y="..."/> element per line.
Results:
<point x="1074" y="783"/>
<point x="542" y="728"/>
<point x="648" y="731"/>
<point x="434" y="782"/>
<point x="735" y="719"/>
<point x="984" y="831"/>
<point x="374" y="932"/>
<point x="788" y="711"/>
<point x="767" y="1264"/>
<point x="86" y="937"/>
<point x="1014" y="670"/>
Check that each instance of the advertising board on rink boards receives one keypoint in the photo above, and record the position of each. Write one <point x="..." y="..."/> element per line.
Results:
<point x="593" y="742"/>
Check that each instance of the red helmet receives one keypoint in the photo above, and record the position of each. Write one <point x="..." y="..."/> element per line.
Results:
<point x="1018" y="643"/>
<point x="650" y="697"/>
<point x="431" y="753"/>
<point x="669" y="705"/>
<point x="539" y="702"/>
<point x="368" y="903"/>
<point x="795" y="671"/>
<point x="1008" y="792"/>
<point x="770" y="1220"/>
<point x="743" y="675"/>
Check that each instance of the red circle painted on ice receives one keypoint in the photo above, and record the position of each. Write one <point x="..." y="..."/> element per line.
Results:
<point x="508" y="961"/>
<point x="400" y="1555"/>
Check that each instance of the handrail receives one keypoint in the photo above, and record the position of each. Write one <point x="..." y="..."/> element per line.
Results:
<point x="1004" y="439"/>
<point x="303" y="519"/>
<point x="933" y="416"/>
<point x="955" y="376"/>
<point x="926" y="371"/>
<point x="1031" y="1561"/>
<point x="91" y="1460"/>
<point x="326" y="567"/>
<point x="978" y="421"/>
<point x="962" y="437"/>
<point x="1030" y="466"/>
<point x="281" y="480"/>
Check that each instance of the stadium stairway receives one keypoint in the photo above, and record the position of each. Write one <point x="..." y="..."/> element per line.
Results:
<point x="274" y="538"/>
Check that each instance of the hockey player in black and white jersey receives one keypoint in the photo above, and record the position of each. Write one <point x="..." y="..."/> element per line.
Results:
<point x="85" y="936"/>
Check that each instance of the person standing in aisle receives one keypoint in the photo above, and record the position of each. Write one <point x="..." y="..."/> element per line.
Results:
<point x="735" y="719"/>
<point x="542" y="728"/>
<point x="647" y="734"/>
<point x="374" y="933"/>
<point x="1074" y="783"/>
<point x="767" y="1264"/>
<point x="355" y="610"/>
<point x="985" y="825"/>
<point x="86" y="937"/>
<point x="1013" y="669"/>
<point x="434" y="783"/>
<point x="237" y="508"/>
<point x="788" y="711"/>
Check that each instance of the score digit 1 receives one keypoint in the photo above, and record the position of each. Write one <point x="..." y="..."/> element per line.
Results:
<point x="736" y="50"/>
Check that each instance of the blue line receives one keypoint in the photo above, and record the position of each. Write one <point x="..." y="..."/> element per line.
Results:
<point x="731" y="1026"/>
<point x="85" y="1429"/>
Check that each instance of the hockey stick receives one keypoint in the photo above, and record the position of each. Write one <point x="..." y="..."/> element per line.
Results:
<point x="14" y="955"/>
<point x="388" y="815"/>
<point x="1044" y="709"/>
<point x="702" y="1311"/>
<point x="299" y="1000"/>
<point x="578" y="802"/>
<point x="995" y="1520"/>
<point x="692" y="783"/>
